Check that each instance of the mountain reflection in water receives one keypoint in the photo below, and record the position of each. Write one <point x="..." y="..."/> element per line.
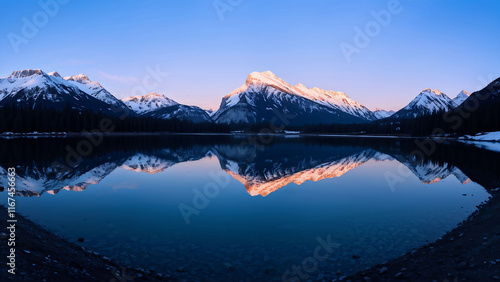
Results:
<point x="261" y="169"/>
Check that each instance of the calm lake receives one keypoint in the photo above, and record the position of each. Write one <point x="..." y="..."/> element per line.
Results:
<point x="248" y="208"/>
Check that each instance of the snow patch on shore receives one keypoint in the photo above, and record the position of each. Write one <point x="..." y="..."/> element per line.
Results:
<point x="487" y="140"/>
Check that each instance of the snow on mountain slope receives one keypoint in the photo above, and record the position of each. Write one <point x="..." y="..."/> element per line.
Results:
<point x="380" y="113"/>
<point x="461" y="97"/>
<point x="264" y="93"/>
<point x="92" y="88"/>
<point x="18" y="80"/>
<point x="148" y="103"/>
<point x="335" y="100"/>
<point x="160" y="106"/>
<point x="34" y="88"/>
<point x="182" y="112"/>
<point x="210" y="112"/>
<point x="429" y="101"/>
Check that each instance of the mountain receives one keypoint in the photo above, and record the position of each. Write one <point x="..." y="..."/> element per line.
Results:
<point x="429" y="101"/>
<point x="34" y="88"/>
<point x="461" y="97"/>
<point x="182" y="112"/>
<point x="210" y="112"/>
<point x="380" y="113"/>
<point x="481" y="109"/>
<point x="148" y="103"/>
<point x="264" y="96"/>
<point x="335" y="100"/>
<point x="93" y="88"/>
<point x="488" y="96"/>
<point x="160" y="106"/>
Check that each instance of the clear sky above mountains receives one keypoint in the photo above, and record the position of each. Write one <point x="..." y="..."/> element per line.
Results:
<point x="209" y="47"/>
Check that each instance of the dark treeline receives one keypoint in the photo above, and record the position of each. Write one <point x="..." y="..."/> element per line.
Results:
<point x="23" y="120"/>
<point x="460" y="121"/>
<point x="479" y="113"/>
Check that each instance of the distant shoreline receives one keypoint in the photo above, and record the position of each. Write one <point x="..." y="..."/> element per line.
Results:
<point x="344" y="135"/>
<point x="76" y="134"/>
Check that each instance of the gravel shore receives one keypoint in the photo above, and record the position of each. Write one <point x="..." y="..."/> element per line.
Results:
<point x="43" y="256"/>
<point x="470" y="252"/>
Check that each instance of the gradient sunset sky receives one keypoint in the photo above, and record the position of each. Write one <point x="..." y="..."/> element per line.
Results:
<point x="207" y="53"/>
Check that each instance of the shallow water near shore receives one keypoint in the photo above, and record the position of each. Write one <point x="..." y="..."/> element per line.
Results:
<point x="208" y="206"/>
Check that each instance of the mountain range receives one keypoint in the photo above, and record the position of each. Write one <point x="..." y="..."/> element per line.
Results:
<point x="35" y="89"/>
<point x="263" y="97"/>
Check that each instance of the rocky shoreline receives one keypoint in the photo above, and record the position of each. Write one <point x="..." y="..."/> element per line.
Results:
<point x="44" y="256"/>
<point x="470" y="252"/>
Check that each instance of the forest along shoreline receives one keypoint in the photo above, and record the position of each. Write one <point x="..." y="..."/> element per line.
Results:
<point x="471" y="252"/>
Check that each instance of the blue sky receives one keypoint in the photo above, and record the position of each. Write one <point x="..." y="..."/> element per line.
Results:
<point x="209" y="47"/>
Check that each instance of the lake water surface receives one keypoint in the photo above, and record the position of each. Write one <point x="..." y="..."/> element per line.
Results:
<point x="228" y="208"/>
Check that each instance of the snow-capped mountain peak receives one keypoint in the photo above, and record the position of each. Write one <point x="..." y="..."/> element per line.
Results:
<point x="432" y="91"/>
<point x="461" y="97"/>
<point x="256" y="80"/>
<point x="433" y="98"/>
<point x="154" y="95"/>
<point x="160" y="106"/>
<point x="381" y="113"/>
<point x="148" y="103"/>
<point x="54" y="73"/>
<point x="26" y="73"/>
<point x="81" y="78"/>
<point x="275" y="87"/>
<point x="210" y="112"/>
<point x="429" y="101"/>
<point x="22" y="79"/>
<point x="93" y="88"/>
